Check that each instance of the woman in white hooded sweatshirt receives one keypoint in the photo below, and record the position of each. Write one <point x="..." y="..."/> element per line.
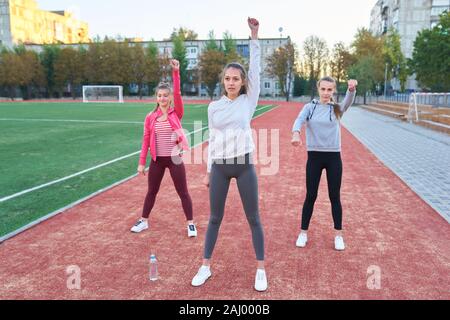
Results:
<point x="230" y="156"/>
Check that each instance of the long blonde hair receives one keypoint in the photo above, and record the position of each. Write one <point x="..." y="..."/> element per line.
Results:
<point x="336" y="106"/>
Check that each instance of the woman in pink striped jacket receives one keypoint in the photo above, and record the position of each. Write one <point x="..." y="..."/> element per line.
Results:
<point x="164" y="136"/>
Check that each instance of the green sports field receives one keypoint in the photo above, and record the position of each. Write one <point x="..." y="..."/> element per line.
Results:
<point x="45" y="142"/>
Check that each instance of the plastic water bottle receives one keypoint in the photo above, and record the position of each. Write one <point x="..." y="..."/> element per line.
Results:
<point x="153" y="272"/>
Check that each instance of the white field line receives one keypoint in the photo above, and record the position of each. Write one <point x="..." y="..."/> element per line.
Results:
<point x="56" y="212"/>
<point x="93" y="168"/>
<point x="77" y="121"/>
<point x="78" y="173"/>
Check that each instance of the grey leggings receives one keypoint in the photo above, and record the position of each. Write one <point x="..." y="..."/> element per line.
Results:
<point x="221" y="174"/>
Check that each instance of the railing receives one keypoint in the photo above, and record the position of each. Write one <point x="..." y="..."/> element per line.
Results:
<point x="430" y="99"/>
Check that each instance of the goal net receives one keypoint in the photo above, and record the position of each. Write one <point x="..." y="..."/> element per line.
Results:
<point x="424" y="105"/>
<point x="103" y="94"/>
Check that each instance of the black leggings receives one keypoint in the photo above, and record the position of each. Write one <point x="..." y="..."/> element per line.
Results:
<point x="332" y="163"/>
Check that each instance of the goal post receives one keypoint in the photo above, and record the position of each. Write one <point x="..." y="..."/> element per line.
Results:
<point x="422" y="104"/>
<point x="93" y="93"/>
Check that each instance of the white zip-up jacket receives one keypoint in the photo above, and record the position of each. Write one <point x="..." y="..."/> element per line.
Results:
<point x="230" y="133"/>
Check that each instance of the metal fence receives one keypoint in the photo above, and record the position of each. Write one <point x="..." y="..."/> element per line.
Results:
<point x="429" y="99"/>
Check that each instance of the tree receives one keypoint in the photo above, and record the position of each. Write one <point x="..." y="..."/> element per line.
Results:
<point x="211" y="43"/>
<point x="394" y="58"/>
<point x="431" y="56"/>
<point x="152" y="66"/>
<point x="184" y="34"/>
<point x="179" y="52"/>
<point x="366" y="44"/>
<point x="35" y="74"/>
<point x="138" y="65"/>
<point x="281" y="64"/>
<point x="48" y="57"/>
<point x="230" y="49"/>
<point x="300" y="85"/>
<point x="211" y="64"/>
<point x="69" y="70"/>
<point x="364" y="72"/>
<point x="11" y="72"/>
<point x="341" y="60"/>
<point x="97" y="68"/>
<point x="316" y="52"/>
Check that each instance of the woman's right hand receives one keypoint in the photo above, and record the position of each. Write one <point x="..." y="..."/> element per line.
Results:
<point x="296" y="141"/>
<point x="206" y="180"/>
<point x="141" y="169"/>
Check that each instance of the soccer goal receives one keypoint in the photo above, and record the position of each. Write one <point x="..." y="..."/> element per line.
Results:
<point x="421" y="105"/>
<point x="103" y="94"/>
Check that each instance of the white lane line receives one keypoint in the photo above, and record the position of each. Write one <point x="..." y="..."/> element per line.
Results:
<point x="91" y="169"/>
<point x="66" y="120"/>
<point x="61" y="210"/>
<point x="78" y="173"/>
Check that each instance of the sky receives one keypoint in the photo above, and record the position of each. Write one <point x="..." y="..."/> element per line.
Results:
<point x="331" y="20"/>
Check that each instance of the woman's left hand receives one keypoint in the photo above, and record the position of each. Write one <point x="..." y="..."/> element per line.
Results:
<point x="175" y="64"/>
<point x="254" y="26"/>
<point x="352" y="84"/>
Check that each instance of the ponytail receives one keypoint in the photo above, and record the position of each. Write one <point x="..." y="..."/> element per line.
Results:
<point x="337" y="109"/>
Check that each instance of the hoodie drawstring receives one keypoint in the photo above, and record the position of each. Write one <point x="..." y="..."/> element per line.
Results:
<point x="314" y="109"/>
<point x="311" y="113"/>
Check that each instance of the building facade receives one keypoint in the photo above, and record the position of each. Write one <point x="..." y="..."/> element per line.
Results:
<point x="408" y="17"/>
<point x="21" y="21"/>
<point x="269" y="86"/>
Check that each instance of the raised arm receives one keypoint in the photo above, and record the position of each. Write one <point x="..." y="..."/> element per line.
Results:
<point x="177" y="100"/>
<point x="254" y="71"/>
<point x="350" y="96"/>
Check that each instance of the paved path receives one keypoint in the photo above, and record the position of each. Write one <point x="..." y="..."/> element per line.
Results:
<point x="419" y="156"/>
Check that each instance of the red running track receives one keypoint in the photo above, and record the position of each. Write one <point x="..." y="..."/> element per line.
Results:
<point x="386" y="225"/>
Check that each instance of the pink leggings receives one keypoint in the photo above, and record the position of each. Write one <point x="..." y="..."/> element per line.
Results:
<point x="155" y="176"/>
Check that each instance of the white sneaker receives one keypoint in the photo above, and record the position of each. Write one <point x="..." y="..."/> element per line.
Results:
<point x="202" y="275"/>
<point x="339" y="243"/>
<point x="140" y="226"/>
<point x="302" y="240"/>
<point x="192" y="230"/>
<point x="260" y="280"/>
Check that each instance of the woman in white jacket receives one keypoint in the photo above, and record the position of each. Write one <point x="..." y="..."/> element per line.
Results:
<point x="230" y="155"/>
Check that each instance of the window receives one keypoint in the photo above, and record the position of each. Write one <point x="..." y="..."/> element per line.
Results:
<point x="267" y="85"/>
<point x="436" y="11"/>
<point x="192" y="63"/>
<point x="384" y="26"/>
<point x="243" y="50"/>
<point x="441" y="3"/>
<point x="395" y="16"/>
<point x="191" y="50"/>
<point x="277" y="85"/>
